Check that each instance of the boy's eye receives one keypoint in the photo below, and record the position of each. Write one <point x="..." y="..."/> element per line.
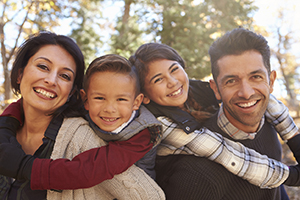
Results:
<point x="122" y="99"/>
<point x="99" y="98"/>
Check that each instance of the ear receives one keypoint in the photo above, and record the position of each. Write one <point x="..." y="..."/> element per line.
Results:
<point x="138" y="101"/>
<point x="20" y="75"/>
<point x="214" y="87"/>
<point x="146" y="100"/>
<point x="272" y="80"/>
<point x="83" y="95"/>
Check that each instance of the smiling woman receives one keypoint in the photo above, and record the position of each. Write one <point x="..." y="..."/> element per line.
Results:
<point x="47" y="72"/>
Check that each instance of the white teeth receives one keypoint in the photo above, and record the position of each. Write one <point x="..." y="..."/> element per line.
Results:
<point x="245" y="105"/>
<point x="45" y="93"/>
<point x="177" y="92"/>
<point x="109" y="120"/>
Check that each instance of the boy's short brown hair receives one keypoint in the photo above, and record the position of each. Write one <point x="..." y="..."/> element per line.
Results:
<point x="111" y="63"/>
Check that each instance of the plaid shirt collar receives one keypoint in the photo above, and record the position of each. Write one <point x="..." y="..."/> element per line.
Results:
<point x="231" y="130"/>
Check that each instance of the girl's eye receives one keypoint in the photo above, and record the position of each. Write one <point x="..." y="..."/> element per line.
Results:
<point x="99" y="98"/>
<point x="158" y="79"/>
<point x="174" y="69"/>
<point x="66" y="77"/>
<point x="44" y="67"/>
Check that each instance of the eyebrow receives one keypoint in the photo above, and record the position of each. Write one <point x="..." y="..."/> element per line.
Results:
<point x="160" y="73"/>
<point x="44" y="58"/>
<point x="259" y="71"/>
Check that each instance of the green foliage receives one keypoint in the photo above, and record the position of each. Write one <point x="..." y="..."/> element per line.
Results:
<point x="86" y="29"/>
<point x="188" y="27"/>
<point x="191" y="28"/>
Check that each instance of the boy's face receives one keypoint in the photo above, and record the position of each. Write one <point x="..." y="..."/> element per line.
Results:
<point x="244" y="86"/>
<point x="110" y="99"/>
<point x="166" y="83"/>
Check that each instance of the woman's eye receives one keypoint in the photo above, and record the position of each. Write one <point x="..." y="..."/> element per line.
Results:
<point x="66" y="77"/>
<point x="44" y="67"/>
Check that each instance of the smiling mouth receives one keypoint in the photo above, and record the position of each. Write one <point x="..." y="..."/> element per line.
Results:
<point x="109" y="119"/>
<point x="45" y="93"/>
<point x="176" y="92"/>
<point x="247" y="105"/>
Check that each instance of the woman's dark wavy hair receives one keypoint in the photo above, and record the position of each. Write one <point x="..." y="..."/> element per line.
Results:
<point x="150" y="52"/>
<point x="31" y="46"/>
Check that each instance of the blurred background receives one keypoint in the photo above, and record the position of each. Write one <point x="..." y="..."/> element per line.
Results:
<point x="189" y="26"/>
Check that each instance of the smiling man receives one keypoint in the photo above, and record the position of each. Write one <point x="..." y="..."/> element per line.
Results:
<point x="243" y="81"/>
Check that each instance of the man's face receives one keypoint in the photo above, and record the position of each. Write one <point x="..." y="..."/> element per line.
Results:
<point x="244" y="87"/>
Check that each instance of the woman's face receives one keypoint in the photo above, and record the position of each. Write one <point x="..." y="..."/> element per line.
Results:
<point x="166" y="83"/>
<point x="47" y="79"/>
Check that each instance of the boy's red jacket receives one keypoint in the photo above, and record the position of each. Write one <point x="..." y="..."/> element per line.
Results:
<point x="88" y="168"/>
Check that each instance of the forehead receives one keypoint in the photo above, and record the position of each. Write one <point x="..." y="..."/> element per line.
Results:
<point x="57" y="55"/>
<point x="112" y="82"/>
<point x="239" y="65"/>
<point x="160" y="66"/>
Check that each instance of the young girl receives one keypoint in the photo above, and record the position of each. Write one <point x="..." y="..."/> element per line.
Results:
<point x="180" y="104"/>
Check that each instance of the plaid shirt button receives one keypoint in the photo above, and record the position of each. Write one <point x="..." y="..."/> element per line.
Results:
<point x="233" y="164"/>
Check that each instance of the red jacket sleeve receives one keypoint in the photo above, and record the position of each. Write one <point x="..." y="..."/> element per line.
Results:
<point x="14" y="110"/>
<point x="90" y="167"/>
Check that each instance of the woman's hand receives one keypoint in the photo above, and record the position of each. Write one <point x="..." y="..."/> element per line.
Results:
<point x="8" y="128"/>
<point x="14" y="162"/>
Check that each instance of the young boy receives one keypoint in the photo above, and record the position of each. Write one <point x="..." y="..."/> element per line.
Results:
<point x="111" y="95"/>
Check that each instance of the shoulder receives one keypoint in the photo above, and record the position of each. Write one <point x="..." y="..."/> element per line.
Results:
<point x="75" y="136"/>
<point x="144" y="120"/>
<point x="203" y="94"/>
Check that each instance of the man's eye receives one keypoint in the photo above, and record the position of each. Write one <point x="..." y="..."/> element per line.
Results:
<point x="257" y="77"/>
<point x="231" y="81"/>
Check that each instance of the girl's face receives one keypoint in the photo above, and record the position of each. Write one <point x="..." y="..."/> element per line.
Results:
<point x="47" y="79"/>
<point x="166" y="83"/>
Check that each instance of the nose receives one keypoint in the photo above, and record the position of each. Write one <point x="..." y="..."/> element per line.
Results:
<point x="172" y="81"/>
<point x="51" y="79"/>
<point x="109" y="107"/>
<point x="246" y="90"/>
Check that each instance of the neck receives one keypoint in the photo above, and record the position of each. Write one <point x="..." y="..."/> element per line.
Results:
<point x="247" y="128"/>
<point x="32" y="132"/>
